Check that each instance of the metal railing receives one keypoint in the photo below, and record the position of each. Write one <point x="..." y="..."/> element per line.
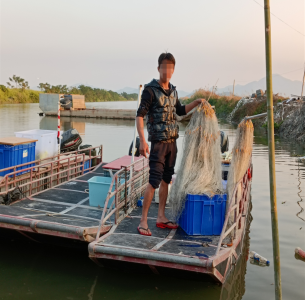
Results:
<point x="127" y="186"/>
<point x="49" y="172"/>
<point x="236" y="207"/>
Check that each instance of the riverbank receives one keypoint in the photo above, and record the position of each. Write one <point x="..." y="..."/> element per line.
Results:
<point x="289" y="115"/>
<point x="224" y="105"/>
<point x="11" y="96"/>
<point x="17" y="95"/>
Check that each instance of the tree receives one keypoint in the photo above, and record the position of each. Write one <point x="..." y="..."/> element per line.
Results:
<point x="24" y="85"/>
<point x="18" y="82"/>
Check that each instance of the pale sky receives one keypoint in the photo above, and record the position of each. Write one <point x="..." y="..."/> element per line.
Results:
<point x="115" y="44"/>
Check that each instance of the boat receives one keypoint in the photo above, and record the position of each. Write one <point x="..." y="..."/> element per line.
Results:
<point x="61" y="211"/>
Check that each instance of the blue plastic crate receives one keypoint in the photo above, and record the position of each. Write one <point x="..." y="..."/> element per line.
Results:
<point x="11" y="156"/>
<point x="87" y="166"/>
<point x="203" y="215"/>
<point x="98" y="190"/>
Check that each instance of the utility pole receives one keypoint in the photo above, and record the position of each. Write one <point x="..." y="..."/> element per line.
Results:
<point x="272" y="180"/>
<point x="233" y="87"/>
<point x="303" y="84"/>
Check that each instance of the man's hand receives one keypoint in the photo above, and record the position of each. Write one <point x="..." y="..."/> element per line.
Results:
<point x="199" y="101"/>
<point x="144" y="148"/>
<point x="193" y="104"/>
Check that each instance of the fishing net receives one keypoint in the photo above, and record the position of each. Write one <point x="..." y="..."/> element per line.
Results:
<point x="200" y="169"/>
<point x="241" y="154"/>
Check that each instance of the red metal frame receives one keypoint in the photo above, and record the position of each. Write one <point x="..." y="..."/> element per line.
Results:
<point x="240" y="209"/>
<point x="47" y="169"/>
<point x="136" y="171"/>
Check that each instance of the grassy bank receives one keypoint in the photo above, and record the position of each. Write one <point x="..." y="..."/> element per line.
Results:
<point x="223" y="104"/>
<point x="18" y="96"/>
<point x="254" y="108"/>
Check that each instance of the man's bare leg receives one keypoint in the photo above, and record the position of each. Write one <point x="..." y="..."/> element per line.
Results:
<point x="148" y="196"/>
<point x="163" y="192"/>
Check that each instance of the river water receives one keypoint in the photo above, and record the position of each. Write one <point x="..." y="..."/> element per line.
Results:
<point x="31" y="271"/>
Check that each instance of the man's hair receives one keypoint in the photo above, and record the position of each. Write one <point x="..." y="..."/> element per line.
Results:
<point x="167" y="56"/>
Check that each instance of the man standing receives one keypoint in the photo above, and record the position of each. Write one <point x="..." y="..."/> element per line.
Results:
<point x="160" y="102"/>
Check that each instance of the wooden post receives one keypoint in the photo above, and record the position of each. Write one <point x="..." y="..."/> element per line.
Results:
<point x="272" y="181"/>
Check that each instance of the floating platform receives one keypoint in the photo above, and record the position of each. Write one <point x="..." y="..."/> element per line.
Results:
<point x="61" y="211"/>
<point x="111" y="235"/>
<point x="173" y="252"/>
<point x="126" y="114"/>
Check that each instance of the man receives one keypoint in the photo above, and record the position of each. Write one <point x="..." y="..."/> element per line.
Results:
<point x="160" y="102"/>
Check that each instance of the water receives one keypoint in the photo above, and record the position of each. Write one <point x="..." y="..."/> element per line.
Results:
<point x="33" y="271"/>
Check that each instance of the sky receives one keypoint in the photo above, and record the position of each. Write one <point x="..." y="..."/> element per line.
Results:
<point x="116" y="44"/>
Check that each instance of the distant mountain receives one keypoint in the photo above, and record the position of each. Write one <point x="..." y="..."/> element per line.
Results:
<point x="130" y="90"/>
<point x="183" y="94"/>
<point x="281" y="85"/>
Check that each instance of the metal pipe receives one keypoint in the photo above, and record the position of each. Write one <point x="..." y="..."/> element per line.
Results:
<point x="150" y="255"/>
<point x="303" y="84"/>
<point x="256" y="116"/>
<point x="272" y="180"/>
<point x="58" y="126"/>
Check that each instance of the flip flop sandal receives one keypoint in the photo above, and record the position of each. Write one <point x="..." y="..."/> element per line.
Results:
<point x="166" y="225"/>
<point x="146" y="229"/>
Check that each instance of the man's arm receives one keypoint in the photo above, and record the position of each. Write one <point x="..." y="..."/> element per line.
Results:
<point x="193" y="104"/>
<point x="182" y="110"/>
<point x="143" y="145"/>
<point x="145" y="104"/>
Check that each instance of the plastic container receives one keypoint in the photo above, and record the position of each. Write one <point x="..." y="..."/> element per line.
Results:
<point x="259" y="258"/>
<point x="87" y="166"/>
<point x="257" y="263"/>
<point x="11" y="156"/>
<point x="46" y="145"/>
<point x="300" y="252"/>
<point x="140" y="202"/>
<point x="98" y="191"/>
<point x="225" y="171"/>
<point x="203" y="215"/>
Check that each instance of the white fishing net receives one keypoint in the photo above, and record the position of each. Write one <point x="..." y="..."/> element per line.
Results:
<point x="200" y="169"/>
<point x="241" y="155"/>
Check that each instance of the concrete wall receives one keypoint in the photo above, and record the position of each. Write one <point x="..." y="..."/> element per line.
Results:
<point x="48" y="103"/>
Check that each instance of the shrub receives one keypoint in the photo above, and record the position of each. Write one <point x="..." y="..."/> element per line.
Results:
<point x="3" y="88"/>
<point x="223" y="104"/>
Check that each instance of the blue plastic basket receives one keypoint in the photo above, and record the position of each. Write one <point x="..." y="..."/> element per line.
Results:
<point x="87" y="166"/>
<point x="11" y="156"/>
<point x="98" y="190"/>
<point x="203" y="215"/>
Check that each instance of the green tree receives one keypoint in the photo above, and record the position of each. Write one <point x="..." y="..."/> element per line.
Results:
<point x="24" y="85"/>
<point x="18" y="82"/>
